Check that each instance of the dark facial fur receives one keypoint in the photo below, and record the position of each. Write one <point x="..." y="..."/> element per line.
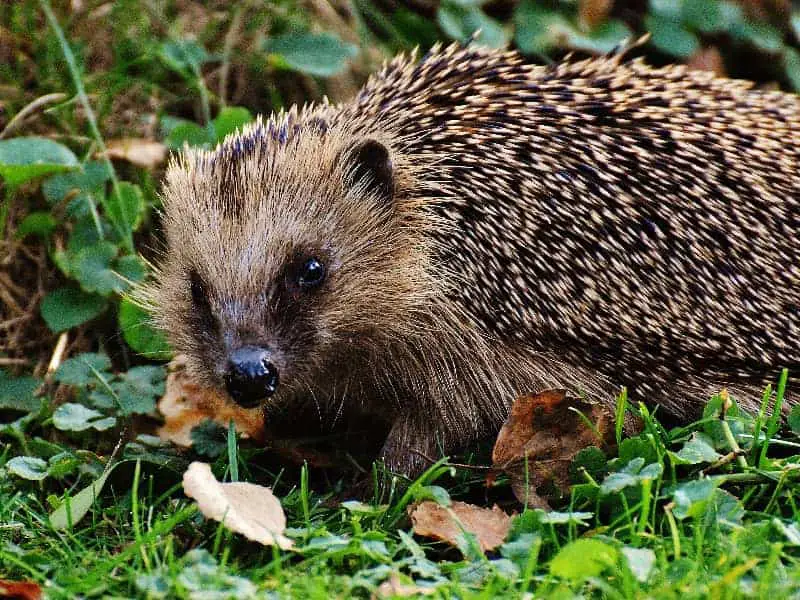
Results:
<point x="489" y="228"/>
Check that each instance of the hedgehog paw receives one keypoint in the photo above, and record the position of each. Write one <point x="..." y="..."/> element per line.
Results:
<point x="410" y="448"/>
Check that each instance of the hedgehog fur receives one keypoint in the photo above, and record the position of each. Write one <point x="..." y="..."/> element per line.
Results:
<point x="491" y="228"/>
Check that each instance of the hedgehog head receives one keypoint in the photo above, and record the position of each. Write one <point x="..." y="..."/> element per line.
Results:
<point x="294" y="250"/>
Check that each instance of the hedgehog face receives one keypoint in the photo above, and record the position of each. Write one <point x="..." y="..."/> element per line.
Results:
<point x="250" y="341"/>
<point x="289" y="260"/>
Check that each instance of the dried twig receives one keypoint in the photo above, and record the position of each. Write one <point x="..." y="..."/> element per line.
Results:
<point x="230" y="40"/>
<point x="58" y="354"/>
<point x="13" y="362"/>
<point x="452" y="464"/>
<point x="28" y="110"/>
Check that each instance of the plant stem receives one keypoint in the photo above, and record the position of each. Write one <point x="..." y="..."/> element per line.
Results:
<point x="77" y="81"/>
<point x="726" y="430"/>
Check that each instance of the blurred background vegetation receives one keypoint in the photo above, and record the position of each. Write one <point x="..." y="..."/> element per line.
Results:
<point x="93" y="95"/>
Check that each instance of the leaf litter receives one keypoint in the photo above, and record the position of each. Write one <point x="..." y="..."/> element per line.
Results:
<point x="185" y="405"/>
<point x="490" y="526"/>
<point x="541" y="437"/>
<point x="246" y="508"/>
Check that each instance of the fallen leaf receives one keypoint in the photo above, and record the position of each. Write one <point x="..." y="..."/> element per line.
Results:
<point x="775" y="11"/>
<point x="394" y="587"/>
<point x="245" y="508"/>
<point x="20" y="590"/>
<point x="447" y="523"/>
<point x="140" y="152"/>
<point x="708" y="59"/>
<point x="540" y="438"/>
<point x="185" y="405"/>
<point x="593" y="13"/>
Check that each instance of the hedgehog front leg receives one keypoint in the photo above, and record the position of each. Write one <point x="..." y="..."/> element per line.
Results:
<point x="410" y="446"/>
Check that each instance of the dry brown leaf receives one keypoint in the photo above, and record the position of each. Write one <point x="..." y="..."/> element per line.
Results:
<point x="185" y="405"/>
<point x="708" y="59"/>
<point x="446" y="523"/>
<point x="775" y="11"/>
<point x="593" y="13"/>
<point x="540" y="438"/>
<point x="245" y="508"/>
<point x="394" y="588"/>
<point x="140" y="152"/>
<point x="20" y="590"/>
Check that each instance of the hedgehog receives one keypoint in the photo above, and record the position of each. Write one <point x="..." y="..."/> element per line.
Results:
<point x="471" y="227"/>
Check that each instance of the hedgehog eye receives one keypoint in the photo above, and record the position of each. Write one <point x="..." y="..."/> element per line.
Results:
<point x="312" y="274"/>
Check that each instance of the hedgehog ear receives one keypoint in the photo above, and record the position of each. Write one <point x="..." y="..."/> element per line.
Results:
<point x="369" y="164"/>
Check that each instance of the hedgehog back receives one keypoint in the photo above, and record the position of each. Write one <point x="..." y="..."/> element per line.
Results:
<point x="637" y="221"/>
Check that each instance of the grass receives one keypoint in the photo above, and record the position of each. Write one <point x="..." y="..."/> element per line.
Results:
<point x="708" y="509"/>
<point x="673" y="513"/>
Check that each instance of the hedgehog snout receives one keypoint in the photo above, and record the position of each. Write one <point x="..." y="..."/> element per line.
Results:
<point x="251" y="375"/>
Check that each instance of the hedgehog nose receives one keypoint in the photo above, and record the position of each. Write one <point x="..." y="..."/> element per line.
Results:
<point x="251" y="376"/>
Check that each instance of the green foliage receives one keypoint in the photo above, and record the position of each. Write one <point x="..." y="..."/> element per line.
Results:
<point x="74" y="508"/>
<point x="606" y="545"/>
<point x="33" y="468"/>
<point x="26" y="158"/>
<point x="464" y="20"/>
<point x="91" y="266"/>
<point x="322" y="55"/>
<point x="66" y="308"/>
<point x="81" y="187"/>
<point x="27" y="467"/>
<point x="95" y="255"/>
<point x="200" y="575"/>
<point x="540" y="30"/>
<point x="640" y="561"/>
<point x="76" y="417"/>
<point x="17" y="393"/>
<point x="794" y="419"/>
<point x="138" y="389"/>
<point x="132" y="392"/>
<point x="699" y="449"/>
<point x="82" y="370"/>
<point x="184" y="56"/>
<point x="125" y="207"/>
<point x="678" y="28"/>
<point x="589" y="462"/>
<point x="229" y="120"/>
<point x="180" y="132"/>
<point x="140" y="334"/>
<point x="692" y="498"/>
<point x="669" y="33"/>
<point x="632" y="474"/>
<point x="209" y="439"/>
<point x="583" y="559"/>
<point x="37" y="223"/>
